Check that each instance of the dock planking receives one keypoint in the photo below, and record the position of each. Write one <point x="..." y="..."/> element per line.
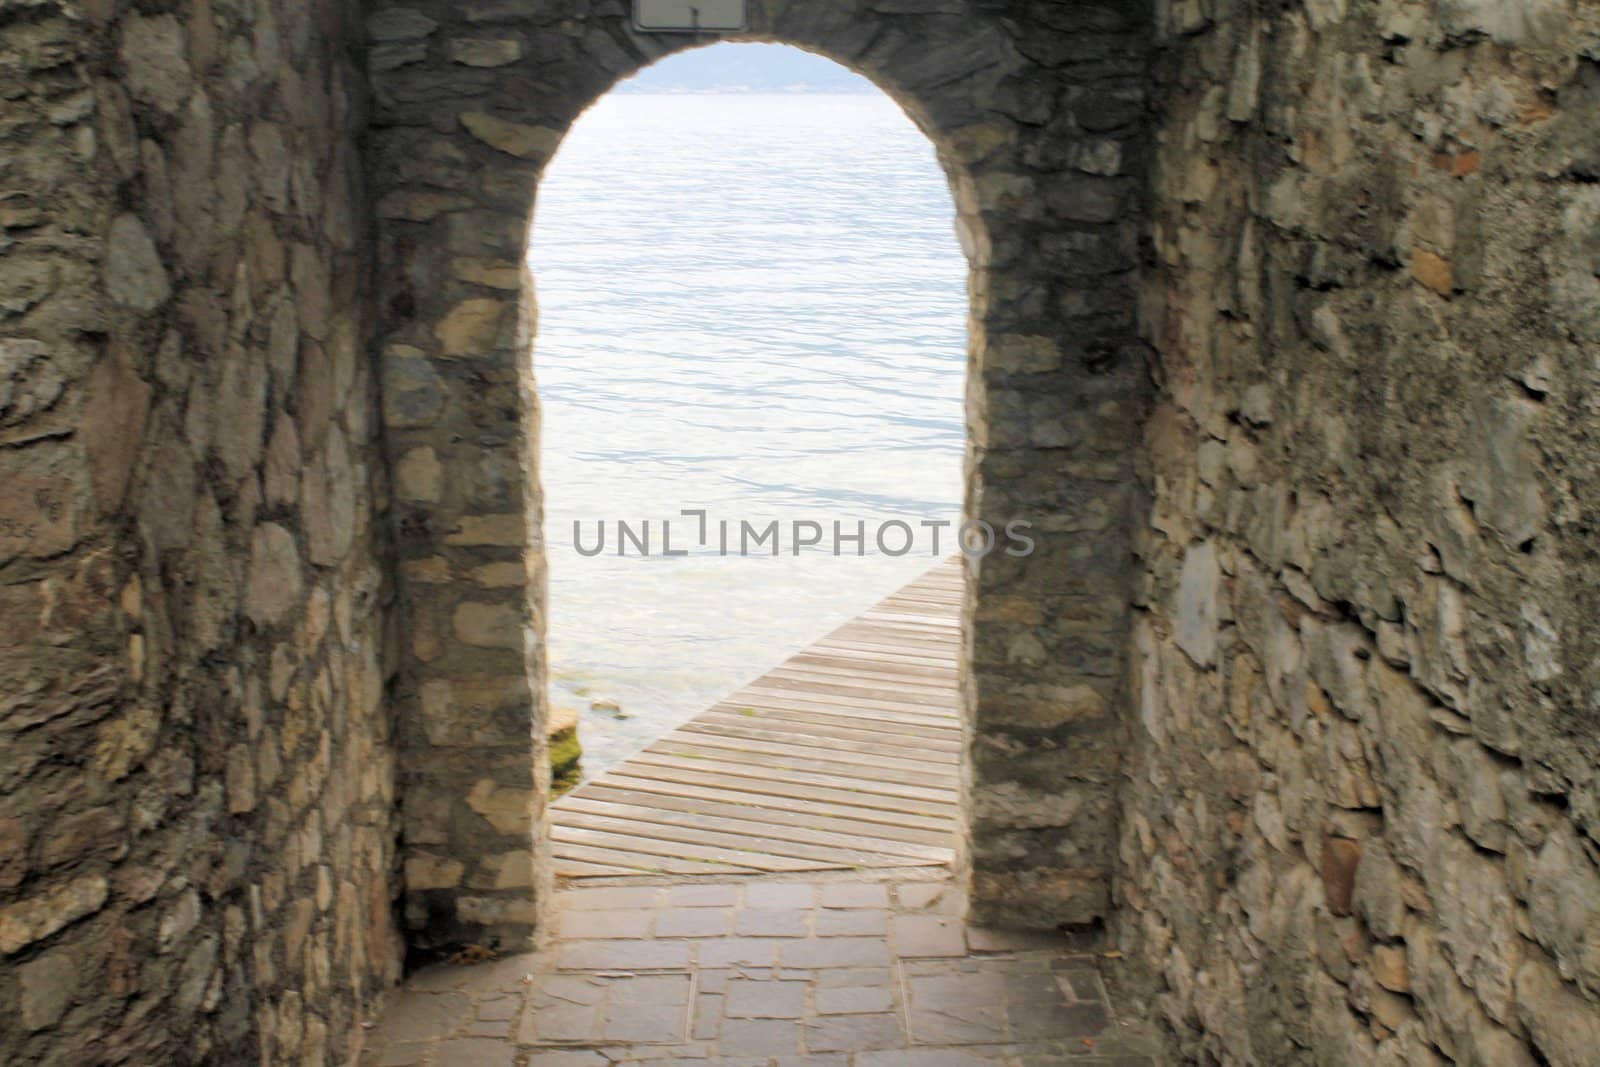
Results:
<point x="846" y="756"/>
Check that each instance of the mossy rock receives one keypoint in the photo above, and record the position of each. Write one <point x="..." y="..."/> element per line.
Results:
<point x="566" y="751"/>
<point x="565" y="754"/>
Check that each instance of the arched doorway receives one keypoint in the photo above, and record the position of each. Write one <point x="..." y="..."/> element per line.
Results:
<point x="472" y="103"/>
<point x="751" y="361"/>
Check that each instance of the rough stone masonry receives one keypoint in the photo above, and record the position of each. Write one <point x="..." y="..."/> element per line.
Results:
<point x="1361" y="820"/>
<point x="197" y="773"/>
<point x="1285" y="325"/>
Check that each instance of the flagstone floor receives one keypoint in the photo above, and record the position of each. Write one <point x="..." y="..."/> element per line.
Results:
<point x="754" y="973"/>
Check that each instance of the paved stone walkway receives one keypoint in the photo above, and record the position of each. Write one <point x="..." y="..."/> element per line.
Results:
<point x="763" y="974"/>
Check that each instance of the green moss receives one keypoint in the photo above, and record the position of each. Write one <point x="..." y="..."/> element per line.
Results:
<point x="566" y="753"/>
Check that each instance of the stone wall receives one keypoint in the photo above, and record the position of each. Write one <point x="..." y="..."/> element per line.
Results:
<point x="196" y="786"/>
<point x="1342" y="757"/>
<point x="1362" y="817"/>
<point x="1036" y="112"/>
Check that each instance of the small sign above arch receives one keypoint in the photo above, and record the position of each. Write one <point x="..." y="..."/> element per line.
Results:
<point x="690" y="16"/>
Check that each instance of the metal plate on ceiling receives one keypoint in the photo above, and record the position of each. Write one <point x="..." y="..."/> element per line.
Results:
<point x="690" y="16"/>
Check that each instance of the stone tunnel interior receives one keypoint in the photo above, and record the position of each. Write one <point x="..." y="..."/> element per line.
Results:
<point x="1282" y="322"/>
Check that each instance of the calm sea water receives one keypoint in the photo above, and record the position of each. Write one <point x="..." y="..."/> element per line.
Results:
<point x="753" y="305"/>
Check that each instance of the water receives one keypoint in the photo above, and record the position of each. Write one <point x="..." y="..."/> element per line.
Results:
<point x="755" y="305"/>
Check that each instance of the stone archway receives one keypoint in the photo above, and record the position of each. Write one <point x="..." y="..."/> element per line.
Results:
<point x="1039" y="137"/>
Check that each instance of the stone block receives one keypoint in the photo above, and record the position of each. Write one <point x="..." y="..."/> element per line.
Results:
<point x="399" y="24"/>
<point x="507" y="808"/>
<point x="36" y="917"/>
<point x="40" y="505"/>
<point x="1041" y="898"/>
<point x="1338" y="863"/>
<point x="420" y="205"/>
<point x="419" y="476"/>
<point x="413" y="392"/>
<point x="13" y="853"/>
<point x="477" y="710"/>
<point x="475" y="327"/>
<point x="484" y="51"/>
<point x="1199" y="611"/>
<point x="153" y="55"/>
<point x="83" y="836"/>
<point x="513" y="138"/>
<point x="490" y="625"/>
<point x="113" y="425"/>
<point x="48" y="984"/>
<point x="275" y="578"/>
<point x="1562" y="1023"/>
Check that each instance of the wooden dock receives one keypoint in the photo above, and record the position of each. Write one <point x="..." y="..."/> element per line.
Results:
<point x="844" y="757"/>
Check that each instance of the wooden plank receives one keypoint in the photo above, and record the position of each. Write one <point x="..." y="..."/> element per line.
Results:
<point x="844" y="756"/>
<point x="879" y="653"/>
<point x="769" y="730"/>
<point x="762" y="772"/>
<point x="742" y="835"/>
<point x="904" y="725"/>
<point x="844" y="725"/>
<point x="757" y="808"/>
<point x="572" y="829"/>
<point x="877" y="685"/>
<point x="901" y="634"/>
<point x="844" y="654"/>
<point x="871" y="806"/>
<point x="943" y="748"/>
<point x="614" y="856"/>
<point x="802" y="757"/>
<point x="853" y="661"/>
<point x="946" y="593"/>
<point x="576" y="868"/>
<point x="889" y="639"/>
<point x="943" y="711"/>
<point x="940" y="695"/>
<point x="805" y="667"/>
<point x="894" y="634"/>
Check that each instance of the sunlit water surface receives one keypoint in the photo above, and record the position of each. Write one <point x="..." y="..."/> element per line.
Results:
<point x="754" y="305"/>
